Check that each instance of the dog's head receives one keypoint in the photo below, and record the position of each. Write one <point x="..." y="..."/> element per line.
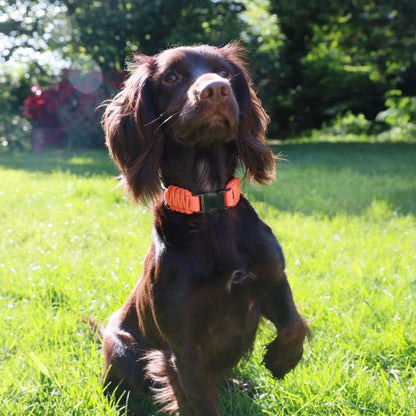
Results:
<point x="192" y="95"/>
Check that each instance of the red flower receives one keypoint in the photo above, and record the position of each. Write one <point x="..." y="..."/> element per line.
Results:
<point x="68" y="110"/>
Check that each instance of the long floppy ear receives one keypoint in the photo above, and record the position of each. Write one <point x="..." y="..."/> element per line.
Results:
<point x="132" y="135"/>
<point x="252" y="151"/>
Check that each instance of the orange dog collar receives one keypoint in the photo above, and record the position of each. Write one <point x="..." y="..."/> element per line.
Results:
<point x="184" y="201"/>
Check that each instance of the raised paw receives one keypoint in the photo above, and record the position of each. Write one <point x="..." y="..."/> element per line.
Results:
<point x="284" y="353"/>
<point x="279" y="361"/>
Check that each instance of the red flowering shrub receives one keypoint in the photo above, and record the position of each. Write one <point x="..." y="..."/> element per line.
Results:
<point x="66" y="114"/>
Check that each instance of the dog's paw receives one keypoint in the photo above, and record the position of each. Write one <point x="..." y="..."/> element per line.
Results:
<point x="279" y="368"/>
<point x="280" y="359"/>
<point x="284" y="353"/>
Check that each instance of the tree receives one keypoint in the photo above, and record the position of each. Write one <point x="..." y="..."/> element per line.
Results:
<point x="340" y="56"/>
<point x="109" y="31"/>
<point x="84" y="32"/>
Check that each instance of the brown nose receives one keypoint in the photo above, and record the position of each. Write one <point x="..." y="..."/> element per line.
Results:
<point x="215" y="92"/>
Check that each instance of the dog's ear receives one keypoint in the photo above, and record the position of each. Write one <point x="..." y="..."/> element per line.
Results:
<point x="252" y="151"/>
<point x="132" y="134"/>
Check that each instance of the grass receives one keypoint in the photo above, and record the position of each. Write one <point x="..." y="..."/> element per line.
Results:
<point x="71" y="245"/>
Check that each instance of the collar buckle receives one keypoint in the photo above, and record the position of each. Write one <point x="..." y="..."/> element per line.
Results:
<point x="212" y="201"/>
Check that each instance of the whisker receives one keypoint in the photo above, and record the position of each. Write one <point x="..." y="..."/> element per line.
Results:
<point x="167" y="119"/>
<point x="233" y="76"/>
<point x="171" y="109"/>
<point x="163" y="115"/>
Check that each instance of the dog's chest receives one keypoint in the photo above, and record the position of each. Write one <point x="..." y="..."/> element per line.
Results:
<point x="230" y="333"/>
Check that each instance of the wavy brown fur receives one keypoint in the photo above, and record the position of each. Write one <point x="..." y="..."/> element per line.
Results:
<point x="188" y="117"/>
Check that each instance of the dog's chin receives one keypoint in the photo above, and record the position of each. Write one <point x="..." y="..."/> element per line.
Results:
<point x="216" y="129"/>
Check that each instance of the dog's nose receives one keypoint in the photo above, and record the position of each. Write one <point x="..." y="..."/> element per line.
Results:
<point x="215" y="91"/>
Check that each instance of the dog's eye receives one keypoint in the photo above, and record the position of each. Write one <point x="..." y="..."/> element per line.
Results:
<point x="170" y="78"/>
<point x="224" y="73"/>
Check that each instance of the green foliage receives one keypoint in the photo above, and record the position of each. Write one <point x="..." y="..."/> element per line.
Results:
<point x="14" y="129"/>
<point x="333" y="83"/>
<point x="71" y="246"/>
<point x="350" y="124"/>
<point x="401" y="110"/>
<point x="340" y="57"/>
<point x="31" y="28"/>
<point x="264" y="40"/>
<point x="311" y="61"/>
<point x="397" y="123"/>
<point x="106" y="33"/>
<point x="400" y="116"/>
<point x="110" y="31"/>
<point x="27" y="29"/>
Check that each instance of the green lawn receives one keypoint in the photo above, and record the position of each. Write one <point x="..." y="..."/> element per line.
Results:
<point x="71" y="246"/>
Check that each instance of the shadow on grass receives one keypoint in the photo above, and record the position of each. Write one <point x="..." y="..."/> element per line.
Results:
<point x="77" y="162"/>
<point x="324" y="178"/>
<point x="366" y="158"/>
<point x="333" y="178"/>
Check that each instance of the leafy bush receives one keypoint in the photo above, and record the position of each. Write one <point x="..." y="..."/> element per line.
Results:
<point x="67" y="114"/>
<point x="400" y="109"/>
<point x="14" y="128"/>
<point x="14" y="132"/>
<point x="396" y="123"/>
<point x="399" y="116"/>
<point x="350" y="124"/>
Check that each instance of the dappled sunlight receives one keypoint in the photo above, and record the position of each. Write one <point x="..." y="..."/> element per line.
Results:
<point x="20" y="51"/>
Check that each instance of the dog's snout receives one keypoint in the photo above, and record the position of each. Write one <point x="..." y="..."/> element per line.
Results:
<point x="215" y="91"/>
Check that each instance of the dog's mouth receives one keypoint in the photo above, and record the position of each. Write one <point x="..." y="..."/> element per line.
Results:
<point x="217" y="121"/>
<point x="208" y="132"/>
<point x="217" y="126"/>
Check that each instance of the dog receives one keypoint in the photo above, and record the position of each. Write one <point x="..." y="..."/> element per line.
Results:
<point x="186" y="120"/>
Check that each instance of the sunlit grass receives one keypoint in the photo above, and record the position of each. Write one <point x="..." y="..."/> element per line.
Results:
<point x="71" y="246"/>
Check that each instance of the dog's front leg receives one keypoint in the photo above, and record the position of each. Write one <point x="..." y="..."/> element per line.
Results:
<point x="198" y="383"/>
<point x="284" y="353"/>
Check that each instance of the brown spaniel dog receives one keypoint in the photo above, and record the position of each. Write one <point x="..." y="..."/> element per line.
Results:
<point x="184" y="121"/>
